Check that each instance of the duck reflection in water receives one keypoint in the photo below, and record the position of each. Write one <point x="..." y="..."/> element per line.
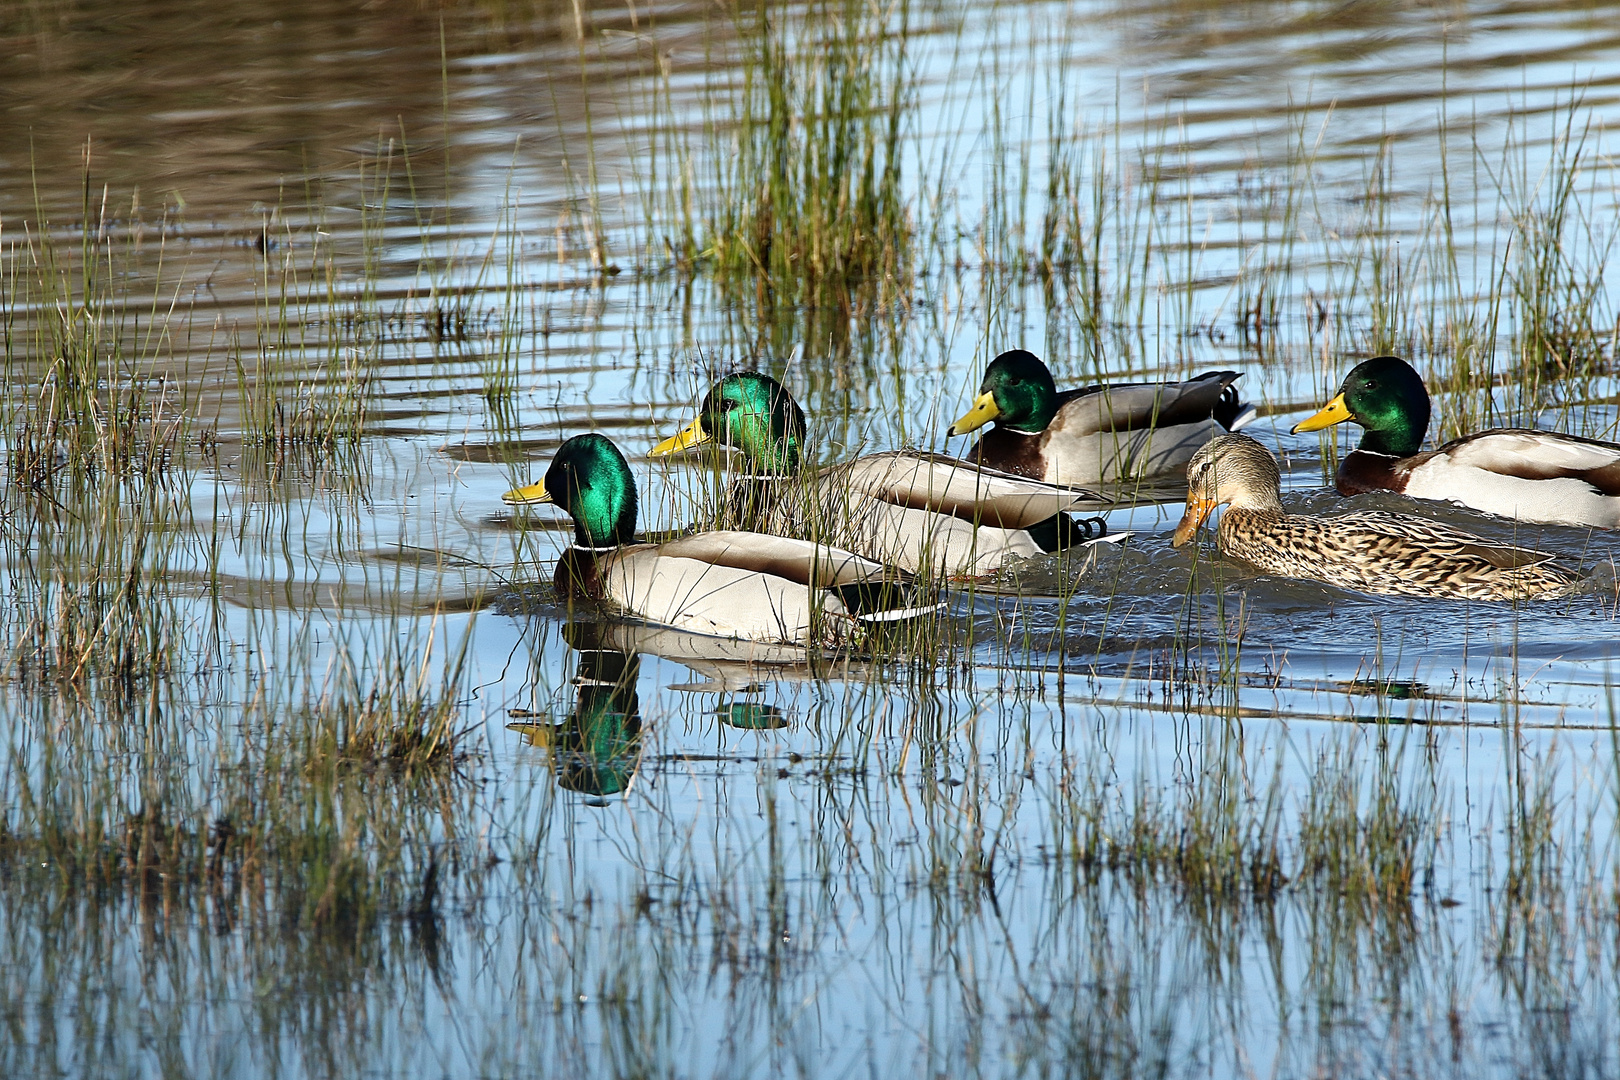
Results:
<point x="752" y="716"/>
<point x="735" y="671"/>
<point x="596" y="749"/>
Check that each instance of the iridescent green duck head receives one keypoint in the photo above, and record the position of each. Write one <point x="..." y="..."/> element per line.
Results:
<point x="1387" y="398"/>
<point x="753" y="413"/>
<point x="590" y="479"/>
<point x="1017" y="393"/>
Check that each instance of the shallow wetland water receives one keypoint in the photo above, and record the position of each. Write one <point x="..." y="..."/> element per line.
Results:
<point x="310" y="773"/>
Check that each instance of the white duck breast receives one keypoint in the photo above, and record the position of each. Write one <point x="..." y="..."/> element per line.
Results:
<point x="1531" y="476"/>
<point x="691" y="594"/>
<point x="924" y="513"/>
<point x="803" y="561"/>
<point x="739" y="585"/>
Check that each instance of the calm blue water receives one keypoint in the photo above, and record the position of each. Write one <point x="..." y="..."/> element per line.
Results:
<point x="713" y="867"/>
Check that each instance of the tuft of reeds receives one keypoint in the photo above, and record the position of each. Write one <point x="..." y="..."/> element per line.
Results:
<point x="805" y="214"/>
<point x="383" y="707"/>
<point x="94" y="509"/>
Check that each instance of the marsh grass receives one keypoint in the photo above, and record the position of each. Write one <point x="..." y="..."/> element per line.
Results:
<point x="335" y="820"/>
<point x="1500" y="301"/>
<point x="1097" y="246"/>
<point x="94" y="506"/>
<point x="1530" y="338"/>
<point x="1201" y="836"/>
<point x="1235" y="827"/>
<point x="1370" y="833"/>
<point x="1562" y="328"/>
<point x="198" y="858"/>
<point x="305" y="838"/>
<point x="382" y="705"/>
<point x="306" y="366"/>
<point x="133" y="790"/>
<point x="312" y="425"/>
<point x="805" y="220"/>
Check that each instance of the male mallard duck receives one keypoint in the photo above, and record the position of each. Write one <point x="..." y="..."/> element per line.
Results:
<point x="730" y="584"/>
<point x="921" y="512"/>
<point x="1371" y="551"/>
<point x="1095" y="434"/>
<point x="1522" y="473"/>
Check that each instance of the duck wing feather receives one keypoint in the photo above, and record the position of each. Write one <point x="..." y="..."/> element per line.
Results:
<point x="1531" y="454"/>
<point x="961" y="489"/>
<point x="1438" y="539"/>
<point x="1133" y="406"/>
<point x="801" y="561"/>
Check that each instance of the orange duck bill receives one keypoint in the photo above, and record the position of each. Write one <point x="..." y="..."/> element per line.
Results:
<point x="1198" y="510"/>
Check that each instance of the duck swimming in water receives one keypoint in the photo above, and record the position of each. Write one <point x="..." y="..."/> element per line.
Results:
<point x="731" y="583"/>
<point x="1095" y="434"/>
<point x="1369" y="551"/>
<point x="925" y="513"/>
<point x="1520" y="473"/>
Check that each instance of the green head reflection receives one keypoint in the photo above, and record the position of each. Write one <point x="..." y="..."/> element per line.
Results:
<point x="596" y="749"/>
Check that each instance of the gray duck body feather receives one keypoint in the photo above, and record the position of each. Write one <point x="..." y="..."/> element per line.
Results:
<point x="925" y="513"/>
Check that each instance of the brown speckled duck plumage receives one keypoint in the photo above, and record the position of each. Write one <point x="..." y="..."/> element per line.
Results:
<point x="1369" y="551"/>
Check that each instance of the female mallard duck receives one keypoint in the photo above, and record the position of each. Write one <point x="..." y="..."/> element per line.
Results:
<point x="921" y="512"/>
<point x="730" y="584"/>
<point x="1095" y="434"/>
<point x="1371" y="551"/>
<point x="1521" y="473"/>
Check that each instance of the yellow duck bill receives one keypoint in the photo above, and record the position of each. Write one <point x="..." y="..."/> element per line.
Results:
<point x="984" y="410"/>
<point x="1334" y="412"/>
<point x="528" y="496"/>
<point x="689" y="436"/>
